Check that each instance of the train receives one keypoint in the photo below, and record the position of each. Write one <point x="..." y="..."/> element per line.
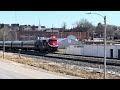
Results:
<point x="46" y="44"/>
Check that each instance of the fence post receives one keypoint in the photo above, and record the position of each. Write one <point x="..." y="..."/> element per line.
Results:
<point x="19" y="53"/>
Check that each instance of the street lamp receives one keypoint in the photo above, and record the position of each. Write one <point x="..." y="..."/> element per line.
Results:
<point x="104" y="17"/>
<point x="3" y="42"/>
<point x="52" y="30"/>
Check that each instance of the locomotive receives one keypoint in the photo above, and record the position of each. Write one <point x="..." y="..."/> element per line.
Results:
<point x="48" y="45"/>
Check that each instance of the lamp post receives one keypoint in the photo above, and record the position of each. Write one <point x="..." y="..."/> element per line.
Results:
<point x="104" y="17"/>
<point x="52" y="30"/>
<point x="3" y="43"/>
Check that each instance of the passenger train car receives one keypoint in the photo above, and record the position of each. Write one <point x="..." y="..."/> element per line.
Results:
<point x="49" y="45"/>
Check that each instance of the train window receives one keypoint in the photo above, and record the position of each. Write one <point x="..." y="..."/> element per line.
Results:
<point x="44" y="42"/>
<point x="40" y="43"/>
<point x="52" y="41"/>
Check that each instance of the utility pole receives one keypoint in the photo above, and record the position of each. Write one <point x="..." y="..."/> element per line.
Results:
<point x="105" y="48"/>
<point x="104" y="17"/>
<point x="3" y="40"/>
<point x="52" y="30"/>
<point x="58" y="33"/>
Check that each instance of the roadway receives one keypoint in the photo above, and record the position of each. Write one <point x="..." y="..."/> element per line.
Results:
<point x="12" y="70"/>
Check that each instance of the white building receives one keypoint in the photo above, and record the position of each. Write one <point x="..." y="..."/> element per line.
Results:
<point x="63" y="43"/>
<point x="112" y="51"/>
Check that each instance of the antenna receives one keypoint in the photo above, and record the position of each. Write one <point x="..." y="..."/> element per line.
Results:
<point x="52" y="30"/>
<point x="15" y="17"/>
<point x="39" y="23"/>
<point x="39" y="27"/>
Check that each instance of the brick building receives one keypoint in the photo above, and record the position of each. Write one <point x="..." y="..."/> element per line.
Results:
<point x="79" y="35"/>
<point x="33" y="35"/>
<point x="28" y="32"/>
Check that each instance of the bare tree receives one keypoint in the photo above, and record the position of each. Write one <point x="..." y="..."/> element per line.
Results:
<point x="6" y="32"/>
<point x="100" y="29"/>
<point x="116" y="33"/>
<point x="83" y="25"/>
<point x="13" y="35"/>
<point x="110" y="31"/>
<point x="92" y="31"/>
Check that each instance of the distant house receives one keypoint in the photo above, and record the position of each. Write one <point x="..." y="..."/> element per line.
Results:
<point x="31" y="32"/>
<point x="43" y="27"/>
<point x="4" y="25"/>
<point x="15" y="27"/>
<point x="52" y="30"/>
<point x="7" y="25"/>
<point x="117" y="34"/>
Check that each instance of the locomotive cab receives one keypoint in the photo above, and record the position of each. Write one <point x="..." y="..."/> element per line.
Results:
<point x="41" y="45"/>
<point x="53" y="44"/>
<point x="49" y="45"/>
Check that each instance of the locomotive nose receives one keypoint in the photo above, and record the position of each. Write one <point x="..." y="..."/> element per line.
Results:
<point x="53" y="42"/>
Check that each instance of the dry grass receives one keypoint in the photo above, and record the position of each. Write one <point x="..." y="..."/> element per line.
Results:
<point x="62" y="51"/>
<point x="60" y="68"/>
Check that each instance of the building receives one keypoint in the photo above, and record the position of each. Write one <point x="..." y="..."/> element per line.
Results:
<point x="14" y="27"/>
<point x="32" y="34"/>
<point x="97" y="41"/>
<point x="62" y="44"/>
<point x="79" y="35"/>
<point x="112" y="51"/>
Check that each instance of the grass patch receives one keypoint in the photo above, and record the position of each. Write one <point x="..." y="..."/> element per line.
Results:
<point x="62" y="51"/>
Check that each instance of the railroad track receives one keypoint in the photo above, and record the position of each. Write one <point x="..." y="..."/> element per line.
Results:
<point x="113" y="62"/>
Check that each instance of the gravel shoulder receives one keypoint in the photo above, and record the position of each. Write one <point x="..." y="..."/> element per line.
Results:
<point x="62" y="67"/>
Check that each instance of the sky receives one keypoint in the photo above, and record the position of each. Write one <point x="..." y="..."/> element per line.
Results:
<point x="56" y="18"/>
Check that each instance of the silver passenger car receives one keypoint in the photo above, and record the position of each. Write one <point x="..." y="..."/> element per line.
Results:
<point x="28" y="44"/>
<point x="17" y="44"/>
<point x="7" y="43"/>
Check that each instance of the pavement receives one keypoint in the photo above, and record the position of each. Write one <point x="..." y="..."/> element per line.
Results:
<point x="13" y="70"/>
